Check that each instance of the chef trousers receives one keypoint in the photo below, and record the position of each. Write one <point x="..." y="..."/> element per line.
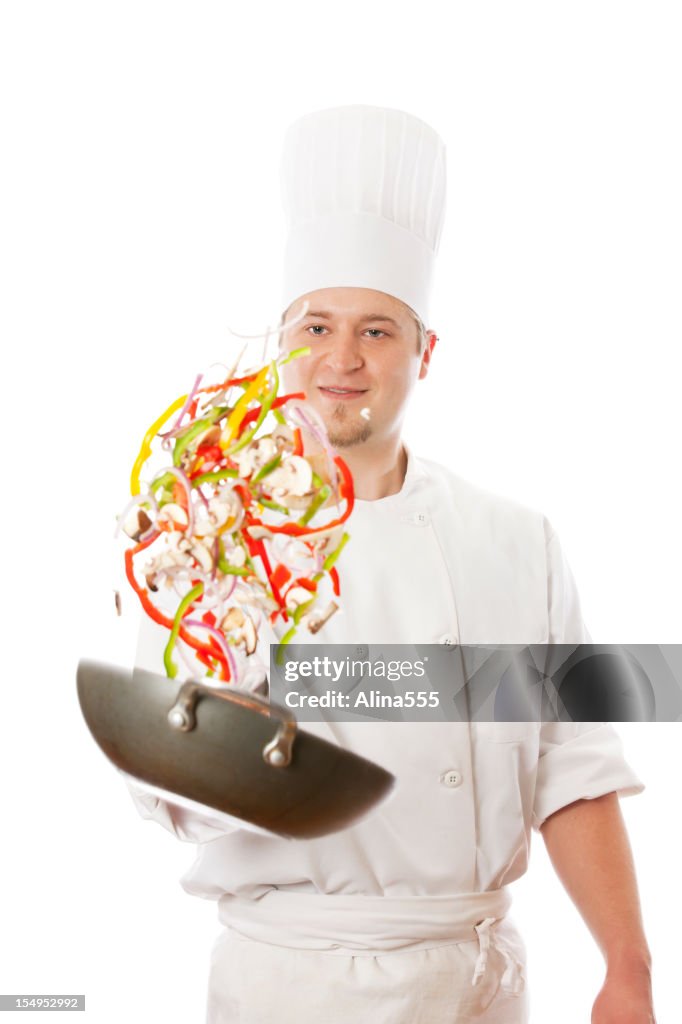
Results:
<point x="482" y="979"/>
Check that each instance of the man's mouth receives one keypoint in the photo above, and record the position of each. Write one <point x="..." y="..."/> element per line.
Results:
<point x="342" y="394"/>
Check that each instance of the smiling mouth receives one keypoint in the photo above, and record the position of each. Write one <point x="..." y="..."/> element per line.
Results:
<point x="342" y="393"/>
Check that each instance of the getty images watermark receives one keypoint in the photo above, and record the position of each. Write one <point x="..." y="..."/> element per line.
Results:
<point x="484" y="683"/>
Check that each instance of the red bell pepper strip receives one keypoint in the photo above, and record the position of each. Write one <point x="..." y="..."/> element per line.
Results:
<point x="305" y="583"/>
<point x="253" y="414"/>
<point x="295" y="530"/>
<point x="158" y="616"/>
<point x="281" y="576"/>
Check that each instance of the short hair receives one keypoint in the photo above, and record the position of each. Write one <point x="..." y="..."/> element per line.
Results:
<point x="421" y="332"/>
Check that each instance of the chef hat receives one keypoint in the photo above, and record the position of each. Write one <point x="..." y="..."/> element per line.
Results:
<point x="363" y="190"/>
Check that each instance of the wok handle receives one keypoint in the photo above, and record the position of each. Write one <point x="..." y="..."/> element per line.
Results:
<point x="278" y="752"/>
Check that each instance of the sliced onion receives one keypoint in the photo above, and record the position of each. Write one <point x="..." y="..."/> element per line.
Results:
<point x="310" y="421"/>
<point x="225" y="647"/>
<point x="187" y="404"/>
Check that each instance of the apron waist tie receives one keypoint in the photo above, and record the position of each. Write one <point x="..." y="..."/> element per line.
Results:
<point x="512" y="979"/>
<point x="372" y="925"/>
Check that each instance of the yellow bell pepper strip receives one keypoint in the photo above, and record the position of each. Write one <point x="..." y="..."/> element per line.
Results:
<point x="241" y="408"/>
<point x="187" y="601"/>
<point x="245" y="436"/>
<point x="146" y="449"/>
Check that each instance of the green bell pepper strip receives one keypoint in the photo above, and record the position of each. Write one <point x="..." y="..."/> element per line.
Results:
<point x="267" y="468"/>
<point x="282" y="644"/>
<point x="214" y="476"/>
<point x="298" y="614"/>
<point x="296" y="354"/>
<point x="188" y="599"/>
<point x="273" y="505"/>
<point x="165" y="480"/>
<point x="225" y="567"/>
<point x="317" y="503"/>
<point x="331" y="558"/>
<point x="194" y="431"/>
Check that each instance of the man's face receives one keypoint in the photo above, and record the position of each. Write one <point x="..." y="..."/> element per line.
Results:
<point x="363" y="365"/>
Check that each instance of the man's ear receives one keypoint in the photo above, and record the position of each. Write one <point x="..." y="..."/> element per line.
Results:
<point x="431" y="339"/>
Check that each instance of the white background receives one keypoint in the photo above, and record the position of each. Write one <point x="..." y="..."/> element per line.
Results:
<point x="140" y="217"/>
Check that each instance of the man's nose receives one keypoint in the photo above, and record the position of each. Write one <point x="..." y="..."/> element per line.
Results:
<point x="345" y="352"/>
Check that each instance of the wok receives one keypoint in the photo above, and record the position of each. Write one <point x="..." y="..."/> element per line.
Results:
<point x="228" y="750"/>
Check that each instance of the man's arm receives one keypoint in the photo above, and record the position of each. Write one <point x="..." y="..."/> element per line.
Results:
<point x="588" y="845"/>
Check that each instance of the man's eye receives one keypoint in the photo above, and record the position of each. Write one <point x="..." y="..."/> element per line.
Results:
<point x="375" y="332"/>
<point x="316" y="329"/>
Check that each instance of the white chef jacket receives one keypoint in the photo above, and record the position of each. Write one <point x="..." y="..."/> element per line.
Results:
<point x="442" y="561"/>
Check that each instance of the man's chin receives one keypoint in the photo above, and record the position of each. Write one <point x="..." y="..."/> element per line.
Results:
<point x="350" y="436"/>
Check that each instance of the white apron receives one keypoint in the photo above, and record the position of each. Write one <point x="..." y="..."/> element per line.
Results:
<point x="332" y="961"/>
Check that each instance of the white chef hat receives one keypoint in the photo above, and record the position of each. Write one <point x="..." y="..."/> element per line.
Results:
<point x="363" y="190"/>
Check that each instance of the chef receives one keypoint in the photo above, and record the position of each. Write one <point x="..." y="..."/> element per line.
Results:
<point x="404" y="918"/>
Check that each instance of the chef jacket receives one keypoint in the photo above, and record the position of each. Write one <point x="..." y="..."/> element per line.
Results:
<point x="441" y="561"/>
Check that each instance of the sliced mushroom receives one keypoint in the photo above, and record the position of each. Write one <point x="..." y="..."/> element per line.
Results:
<point x="297" y="501"/>
<point x="137" y="522"/>
<point x="174" y="515"/>
<point x="294" y="476"/>
<point x="241" y="628"/>
<point x="296" y="596"/>
<point x="283" y="436"/>
<point x="233" y="620"/>
<point x="314" y="621"/>
<point x="150" y="580"/>
<point x="327" y="541"/>
<point x="250" y="636"/>
<point x="256" y="455"/>
<point x="203" y="556"/>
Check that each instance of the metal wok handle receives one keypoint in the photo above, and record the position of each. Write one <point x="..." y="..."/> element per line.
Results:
<point x="278" y="752"/>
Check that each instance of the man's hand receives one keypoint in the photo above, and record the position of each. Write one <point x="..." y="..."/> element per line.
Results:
<point x="625" y="998"/>
<point x="590" y="851"/>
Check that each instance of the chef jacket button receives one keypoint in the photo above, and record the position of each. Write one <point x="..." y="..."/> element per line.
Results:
<point x="415" y="519"/>
<point x="362" y="651"/>
<point x="451" y="778"/>
<point x="448" y="640"/>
